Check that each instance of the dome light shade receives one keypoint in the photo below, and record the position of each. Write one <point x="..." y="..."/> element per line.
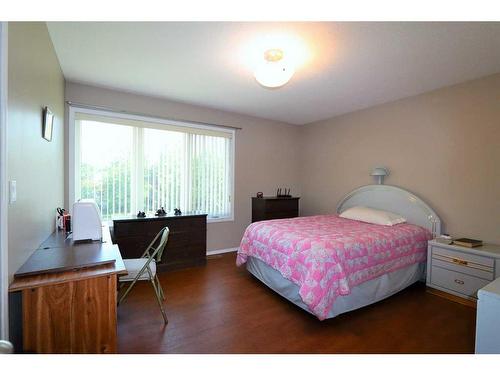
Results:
<point x="274" y="71"/>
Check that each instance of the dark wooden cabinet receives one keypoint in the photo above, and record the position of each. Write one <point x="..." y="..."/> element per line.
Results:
<point x="186" y="246"/>
<point x="268" y="208"/>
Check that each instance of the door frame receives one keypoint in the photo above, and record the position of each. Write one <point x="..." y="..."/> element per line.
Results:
<point x="4" y="264"/>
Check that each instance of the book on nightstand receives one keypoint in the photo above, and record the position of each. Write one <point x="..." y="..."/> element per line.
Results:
<point x="467" y="242"/>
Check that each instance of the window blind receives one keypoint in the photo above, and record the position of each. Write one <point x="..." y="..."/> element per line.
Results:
<point x="128" y="165"/>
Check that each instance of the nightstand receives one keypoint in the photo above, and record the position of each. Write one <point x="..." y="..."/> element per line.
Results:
<point x="461" y="271"/>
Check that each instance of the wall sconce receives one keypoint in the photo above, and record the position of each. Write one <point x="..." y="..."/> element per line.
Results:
<point x="379" y="173"/>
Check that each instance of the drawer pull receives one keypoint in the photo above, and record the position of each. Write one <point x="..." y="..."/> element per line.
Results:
<point x="460" y="261"/>
<point x="461" y="282"/>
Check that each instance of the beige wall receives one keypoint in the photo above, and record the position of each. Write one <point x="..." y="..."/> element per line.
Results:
<point x="35" y="80"/>
<point x="267" y="152"/>
<point x="443" y="145"/>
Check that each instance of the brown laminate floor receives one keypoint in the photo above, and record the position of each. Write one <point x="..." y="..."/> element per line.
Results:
<point x="223" y="309"/>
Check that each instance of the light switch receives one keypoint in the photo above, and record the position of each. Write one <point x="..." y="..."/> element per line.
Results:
<point x="12" y="191"/>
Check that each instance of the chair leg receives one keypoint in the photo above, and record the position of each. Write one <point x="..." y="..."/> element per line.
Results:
<point x="120" y="286"/>
<point x="162" y="294"/>
<point x="122" y="298"/>
<point x="159" y="300"/>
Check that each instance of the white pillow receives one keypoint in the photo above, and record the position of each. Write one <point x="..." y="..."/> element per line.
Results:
<point x="370" y="215"/>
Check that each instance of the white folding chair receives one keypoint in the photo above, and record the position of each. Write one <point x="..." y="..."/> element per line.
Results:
<point x="144" y="269"/>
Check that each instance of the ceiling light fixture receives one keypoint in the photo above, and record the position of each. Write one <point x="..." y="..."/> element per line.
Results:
<point x="275" y="70"/>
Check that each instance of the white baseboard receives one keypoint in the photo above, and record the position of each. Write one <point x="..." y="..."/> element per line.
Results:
<point x="222" y="251"/>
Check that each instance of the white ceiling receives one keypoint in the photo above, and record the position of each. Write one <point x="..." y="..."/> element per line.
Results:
<point x="351" y="65"/>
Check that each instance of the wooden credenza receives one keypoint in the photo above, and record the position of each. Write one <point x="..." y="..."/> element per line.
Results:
<point x="70" y="310"/>
<point x="186" y="246"/>
<point x="268" y="208"/>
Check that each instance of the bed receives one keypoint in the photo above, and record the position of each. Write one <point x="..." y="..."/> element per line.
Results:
<point x="328" y="265"/>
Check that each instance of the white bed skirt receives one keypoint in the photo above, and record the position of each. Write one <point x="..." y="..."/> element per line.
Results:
<point x="362" y="295"/>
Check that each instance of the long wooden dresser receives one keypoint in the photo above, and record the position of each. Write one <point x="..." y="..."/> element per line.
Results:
<point x="186" y="246"/>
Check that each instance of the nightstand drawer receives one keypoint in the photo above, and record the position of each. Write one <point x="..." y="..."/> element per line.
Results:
<point x="469" y="268"/>
<point x="456" y="281"/>
<point x="461" y="258"/>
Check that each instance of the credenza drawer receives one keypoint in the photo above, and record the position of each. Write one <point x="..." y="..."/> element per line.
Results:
<point x="458" y="282"/>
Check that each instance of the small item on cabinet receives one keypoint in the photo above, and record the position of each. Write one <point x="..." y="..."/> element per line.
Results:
<point x="63" y="220"/>
<point x="160" y="212"/>
<point x="177" y="211"/>
<point x="141" y="214"/>
<point x="60" y="217"/>
<point x="260" y="194"/>
<point x="67" y="223"/>
<point x="467" y="242"/>
<point x="444" y="238"/>
<point x="283" y="193"/>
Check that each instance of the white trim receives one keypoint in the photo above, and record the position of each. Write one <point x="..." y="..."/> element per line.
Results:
<point x="73" y="151"/>
<point x="232" y="180"/>
<point x="137" y="190"/>
<point x="169" y="120"/>
<point x="222" y="251"/>
<point x="4" y="270"/>
<point x="214" y="220"/>
<point x="71" y="141"/>
<point x="150" y="119"/>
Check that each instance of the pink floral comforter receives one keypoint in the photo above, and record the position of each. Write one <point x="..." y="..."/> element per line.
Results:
<point x="327" y="255"/>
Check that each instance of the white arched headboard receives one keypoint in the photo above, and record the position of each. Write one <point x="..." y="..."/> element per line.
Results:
<point x="393" y="199"/>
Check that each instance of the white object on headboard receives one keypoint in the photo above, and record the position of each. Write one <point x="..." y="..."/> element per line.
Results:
<point x="394" y="199"/>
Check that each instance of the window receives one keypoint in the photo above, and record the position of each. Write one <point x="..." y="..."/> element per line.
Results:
<point x="127" y="164"/>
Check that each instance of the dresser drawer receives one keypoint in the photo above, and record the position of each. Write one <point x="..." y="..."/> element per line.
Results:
<point x="281" y="215"/>
<point x="457" y="282"/>
<point x="269" y="208"/>
<point x="276" y="205"/>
